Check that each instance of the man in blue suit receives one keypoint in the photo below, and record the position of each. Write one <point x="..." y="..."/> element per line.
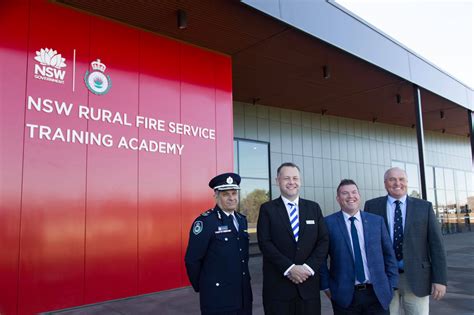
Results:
<point x="363" y="269"/>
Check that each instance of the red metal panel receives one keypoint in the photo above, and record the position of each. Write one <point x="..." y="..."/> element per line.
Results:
<point x="13" y="45"/>
<point x="198" y="163"/>
<point x="53" y="207"/>
<point x="224" y="114"/>
<point x="100" y="222"/>
<point x="159" y="220"/>
<point x="112" y="172"/>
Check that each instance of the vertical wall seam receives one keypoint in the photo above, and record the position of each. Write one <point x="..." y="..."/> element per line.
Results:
<point x="23" y="161"/>
<point x="180" y="78"/>
<point x="84" y="283"/>
<point x="140" y="42"/>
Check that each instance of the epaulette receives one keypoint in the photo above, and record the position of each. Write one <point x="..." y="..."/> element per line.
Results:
<point x="206" y="213"/>
<point x="242" y="215"/>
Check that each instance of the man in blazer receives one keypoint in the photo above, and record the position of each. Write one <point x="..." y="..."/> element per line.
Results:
<point x="293" y="239"/>
<point x="363" y="269"/>
<point x="421" y="256"/>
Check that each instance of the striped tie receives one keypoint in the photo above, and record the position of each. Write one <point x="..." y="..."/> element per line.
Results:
<point x="295" y="225"/>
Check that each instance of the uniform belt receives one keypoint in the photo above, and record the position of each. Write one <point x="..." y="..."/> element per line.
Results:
<point x="363" y="286"/>
<point x="401" y="271"/>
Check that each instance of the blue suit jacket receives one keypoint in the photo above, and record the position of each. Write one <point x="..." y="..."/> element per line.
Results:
<point x="340" y="278"/>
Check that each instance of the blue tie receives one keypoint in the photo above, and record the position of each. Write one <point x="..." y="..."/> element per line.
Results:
<point x="359" y="265"/>
<point x="295" y="225"/>
<point x="398" y="231"/>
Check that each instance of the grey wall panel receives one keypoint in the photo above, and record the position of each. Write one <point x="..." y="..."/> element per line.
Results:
<point x="250" y="125"/>
<point x="334" y="141"/>
<point x="286" y="139"/>
<point x="336" y="173"/>
<point x="344" y="169"/>
<point x="325" y="123"/>
<point x="329" y="155"/>
<point x="316" y="121"/>
<point x="326" y="144"/>
<point x="343" y="151"/>
<point x="317" y="143"/>
<point x="262" y="111"/>
<point x="297" y="139"/>
<point x="307" y="141"/>
<point x="275" y="136"/>
<point x="239" y="128"/>
<point x="263" y="129"/>
<point x="318" y="172"/>
<point x="308" y="171"/>
<point x="275" y="162"/>
<point x="327" y="173"/>
<point x="351" y="148"/>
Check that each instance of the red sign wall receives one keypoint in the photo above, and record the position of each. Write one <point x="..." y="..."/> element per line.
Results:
<point x="98" y="191"/>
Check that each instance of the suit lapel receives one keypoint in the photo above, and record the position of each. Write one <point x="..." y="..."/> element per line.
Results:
<point x="283" y="213"/>
<point x="365" y="227"/>
<point x="342" y="227"/>
<point x="383" y="208"/>
<point x="408" y="215"/>
<point x="302" y="217"/>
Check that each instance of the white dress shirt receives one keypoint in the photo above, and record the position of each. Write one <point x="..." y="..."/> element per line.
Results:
<point x="296" y="201"/>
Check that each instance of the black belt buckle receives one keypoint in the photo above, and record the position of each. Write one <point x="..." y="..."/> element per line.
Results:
<point x="362" y="286"/>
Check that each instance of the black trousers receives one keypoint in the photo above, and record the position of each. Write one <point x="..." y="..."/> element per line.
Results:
<point x="296" y="306"/>
<point x="364" y="302"/>
<point x="244" y="311"/>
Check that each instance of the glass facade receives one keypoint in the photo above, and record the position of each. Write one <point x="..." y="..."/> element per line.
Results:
<point x="251" y="162"/>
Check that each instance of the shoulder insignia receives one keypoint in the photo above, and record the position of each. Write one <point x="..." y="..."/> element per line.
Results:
<point x="206" y="213"/>
<point x="197" y="227"/>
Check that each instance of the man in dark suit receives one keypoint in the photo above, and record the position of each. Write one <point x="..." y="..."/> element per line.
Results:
<point x="218" y="253"/>
<point x="363" y="269"/>
<point x="417" y="242"/>
<point x="294" y="242"/>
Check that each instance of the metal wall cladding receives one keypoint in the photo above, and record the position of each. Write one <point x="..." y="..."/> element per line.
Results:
<point x="82" y="223"/>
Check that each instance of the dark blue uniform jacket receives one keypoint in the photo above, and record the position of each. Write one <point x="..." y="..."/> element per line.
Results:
<point x="217" y="262"/>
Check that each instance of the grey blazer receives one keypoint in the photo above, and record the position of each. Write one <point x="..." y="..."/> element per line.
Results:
<point x="424" y="256"/>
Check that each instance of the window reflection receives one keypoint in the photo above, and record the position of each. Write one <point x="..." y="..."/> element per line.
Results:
<point x="253" y="159"/>
<point x="251" y="162"/>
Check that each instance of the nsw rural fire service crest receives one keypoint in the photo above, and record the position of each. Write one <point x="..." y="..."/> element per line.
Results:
<point x="96" y="81"/>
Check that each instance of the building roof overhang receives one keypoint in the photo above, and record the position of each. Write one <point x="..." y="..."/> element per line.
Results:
<point x="276" y="64"/>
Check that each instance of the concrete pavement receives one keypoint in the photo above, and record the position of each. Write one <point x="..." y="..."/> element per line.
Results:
<point x="459" y="299"/>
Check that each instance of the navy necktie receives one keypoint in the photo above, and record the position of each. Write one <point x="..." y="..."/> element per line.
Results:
<point x="398" y="231"/>
<point x="359" y="265"/>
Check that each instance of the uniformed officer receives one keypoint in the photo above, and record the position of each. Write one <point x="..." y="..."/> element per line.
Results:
<point x="218" y="252"/>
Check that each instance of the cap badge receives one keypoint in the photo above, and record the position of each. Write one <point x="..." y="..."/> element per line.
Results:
<point x="229" y="180"/>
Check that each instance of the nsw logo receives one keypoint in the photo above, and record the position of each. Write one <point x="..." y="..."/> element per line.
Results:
<point x="49" y="67"/>
<point x="96" y="81"/>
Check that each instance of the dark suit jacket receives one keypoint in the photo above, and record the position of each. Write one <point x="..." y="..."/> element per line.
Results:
<point x="381" y="261"/>
<point x="280" y="251"/>
<point x="424" y="256"/>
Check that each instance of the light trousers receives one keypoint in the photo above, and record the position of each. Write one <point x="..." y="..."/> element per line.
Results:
<point x="403" y="298"/>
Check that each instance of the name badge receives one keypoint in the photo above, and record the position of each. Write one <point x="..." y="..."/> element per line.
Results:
<point x="222" y="229"/>
<point x="309" y="221"/>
